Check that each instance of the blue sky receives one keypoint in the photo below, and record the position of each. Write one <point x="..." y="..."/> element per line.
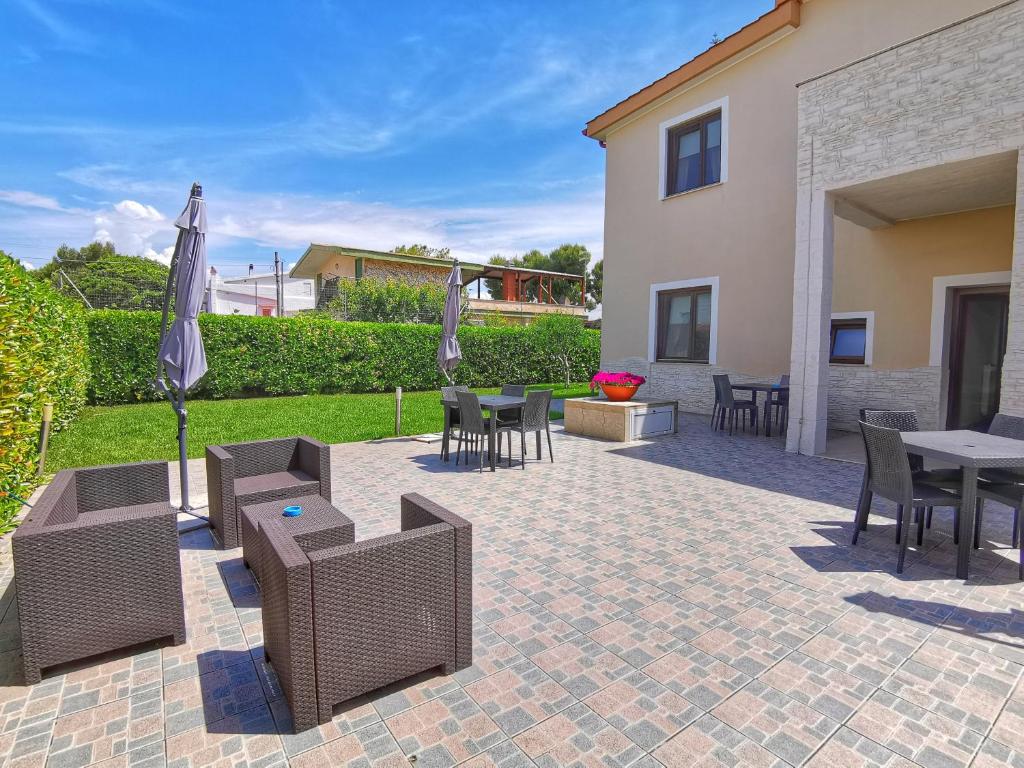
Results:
<point x="365" y="124"/>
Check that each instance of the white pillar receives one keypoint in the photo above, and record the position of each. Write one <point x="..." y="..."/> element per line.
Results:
<point x="1011" y="398"/>
<point x="812" y="315"/>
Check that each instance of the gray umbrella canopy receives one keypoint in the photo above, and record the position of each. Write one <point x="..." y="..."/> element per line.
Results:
<point x="182" y="352"/>
<point x="449" y="354"/>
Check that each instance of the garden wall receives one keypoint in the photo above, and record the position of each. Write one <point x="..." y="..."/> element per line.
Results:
<point x="250" y="356"/>
<point x="43" y="359"/>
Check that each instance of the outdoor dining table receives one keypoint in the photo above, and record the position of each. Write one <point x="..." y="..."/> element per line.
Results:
<point x="768" y="389"/>
<point x="972" y="451"/>
<point x="490" y="403"/>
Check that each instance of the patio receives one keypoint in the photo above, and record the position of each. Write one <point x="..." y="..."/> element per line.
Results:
<point x="691" y="600"/>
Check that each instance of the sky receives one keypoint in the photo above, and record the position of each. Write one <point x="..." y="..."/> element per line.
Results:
<point x="363" y="124"/>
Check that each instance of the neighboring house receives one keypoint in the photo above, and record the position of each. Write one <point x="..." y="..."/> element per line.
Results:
<point x="327" y="264"/>
<point x="835" y="192"/>
<point x="256" y="295"/>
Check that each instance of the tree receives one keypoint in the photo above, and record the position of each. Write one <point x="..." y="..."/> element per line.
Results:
<point x="563" y="336"/>
<point x="596" y="282"/>
<point x="418" y="249"/>
<point x="387" y="301"/>
<point x="106" y="278"/>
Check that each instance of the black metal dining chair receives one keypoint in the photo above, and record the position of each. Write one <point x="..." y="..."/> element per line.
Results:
<point x="778" y="403"/>
<point x="904" y="421"/>
<point x="448" y="394"/>
<point x="472" y="425"/>
<point x="889" y="475"/>
<point x="535" y="417"/>
<point x="730" y="407"/>
<point x="1005" y="486"/>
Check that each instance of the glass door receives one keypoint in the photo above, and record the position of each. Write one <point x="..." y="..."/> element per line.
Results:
<point x="980" y="318"/>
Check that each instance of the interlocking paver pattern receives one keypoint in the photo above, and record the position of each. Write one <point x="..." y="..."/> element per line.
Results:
<point x="687" y="601"/>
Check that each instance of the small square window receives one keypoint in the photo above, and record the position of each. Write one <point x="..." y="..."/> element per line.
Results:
<point x="694" y="154"/>
<point x="848" y="341"/>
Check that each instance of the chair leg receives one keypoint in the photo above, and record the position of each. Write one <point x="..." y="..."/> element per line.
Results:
<point x="903" y="540"/>
<point x="754" y="417"/>
<point x="458" y="449"/>
<point x="714" y="415"/>
<point x="979" y="509"/>
<point x="899" y="522"/>
<point x="522" y="448"/>
<point x="919" y="516"/>
<point x="860" y="517"/>
<point x="928" y="517"/>
<point x="551" y="454"/>
<point x="1016" y="528"/>
<point x="509" y="450"/>
<point x="956" y="525"/>
<point x="538" y="445"/>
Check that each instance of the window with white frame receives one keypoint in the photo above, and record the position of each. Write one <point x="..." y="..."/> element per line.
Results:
<point x="683" y="324"/>
<point x="851" y="338"/>
<point x="694" y="149"/>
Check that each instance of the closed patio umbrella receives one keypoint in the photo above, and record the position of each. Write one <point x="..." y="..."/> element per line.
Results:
<point x="181" y="361"/>
<point x="449" y="354"/>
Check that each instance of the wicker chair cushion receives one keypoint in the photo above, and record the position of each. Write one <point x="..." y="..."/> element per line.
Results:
<point x="297" y="482"/>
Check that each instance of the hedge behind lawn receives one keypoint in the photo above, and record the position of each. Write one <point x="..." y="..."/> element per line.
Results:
<point x="43" y="359"/>
<point x="251" y="356"/>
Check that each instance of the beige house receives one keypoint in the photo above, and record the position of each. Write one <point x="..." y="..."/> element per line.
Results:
<point x="524" y="293"/>
<point x="832" y="192"/>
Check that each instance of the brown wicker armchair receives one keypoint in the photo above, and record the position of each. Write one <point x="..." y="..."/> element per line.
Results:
<point x="96" y="565"/>
<point x="345" y="620"/>
<point x="267" y="470"/>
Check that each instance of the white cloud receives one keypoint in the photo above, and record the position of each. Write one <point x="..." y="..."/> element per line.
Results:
<point x="26" y="199"/>
<point x="164" y="256"/>
<point x="135" y="210"/>
<point x="473" y="233"/>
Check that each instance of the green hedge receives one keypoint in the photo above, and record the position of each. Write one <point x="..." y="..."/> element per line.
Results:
<point x="286" y="356"/>
<point x="43" y="358"/>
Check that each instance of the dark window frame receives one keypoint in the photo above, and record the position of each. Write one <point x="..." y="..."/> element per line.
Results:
<point x="661" y="326"/>
<point x="852" y="322"/>
<point x="675" y="133"/>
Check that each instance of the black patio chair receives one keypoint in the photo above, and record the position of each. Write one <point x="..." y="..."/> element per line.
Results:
<point x="778" y="401"/>
<point x="536" y="419"/>
<point x="472" y="425"/>
<point x="889" y="475"/>
<point x="903" y="421"/>
<point x="1002" y="485"/>
<point x="730" y="407"/>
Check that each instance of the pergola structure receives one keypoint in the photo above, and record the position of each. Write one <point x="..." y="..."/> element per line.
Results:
<point x="514" y="282"/>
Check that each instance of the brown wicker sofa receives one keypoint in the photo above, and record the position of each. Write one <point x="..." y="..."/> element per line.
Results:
<point x="96" y="565"/>
<point x="345" y="620"/>
<point x="267" y="470"/>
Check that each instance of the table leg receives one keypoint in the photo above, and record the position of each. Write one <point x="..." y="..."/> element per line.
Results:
<point x="447" y="432"/>
<point x="768" y="413"/>
<point x="968" y="494"/>
<point x="490" y="436"/>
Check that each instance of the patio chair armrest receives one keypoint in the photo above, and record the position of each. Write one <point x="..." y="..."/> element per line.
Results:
<point x="220" y="490"/>
<point x="287" y="613"/>
<point x="417" y="512"/>
<point x="315" y="460"/>
<point x="57" y="504"/>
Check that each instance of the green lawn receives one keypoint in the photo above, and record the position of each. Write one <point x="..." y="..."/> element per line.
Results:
<point x="126" y="433"/>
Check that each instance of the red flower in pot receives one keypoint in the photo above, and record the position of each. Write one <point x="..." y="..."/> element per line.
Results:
<point x="617" y="385"/>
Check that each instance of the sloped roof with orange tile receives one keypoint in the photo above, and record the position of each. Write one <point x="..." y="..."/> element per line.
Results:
<point x="786" y="14"/>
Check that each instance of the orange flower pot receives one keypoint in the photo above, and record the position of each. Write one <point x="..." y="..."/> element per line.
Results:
<point x="619" y="392"/>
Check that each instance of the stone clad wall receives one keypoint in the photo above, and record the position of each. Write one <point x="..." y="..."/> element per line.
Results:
<point x="852" y="387"/>
<point x="954" y="94"/>
<point x="414" y="274"/>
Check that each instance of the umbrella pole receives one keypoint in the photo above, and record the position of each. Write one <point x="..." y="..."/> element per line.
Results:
<point x="183" y="452"/>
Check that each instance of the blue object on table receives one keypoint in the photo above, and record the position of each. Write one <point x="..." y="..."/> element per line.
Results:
<point x="292" y="511"/>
